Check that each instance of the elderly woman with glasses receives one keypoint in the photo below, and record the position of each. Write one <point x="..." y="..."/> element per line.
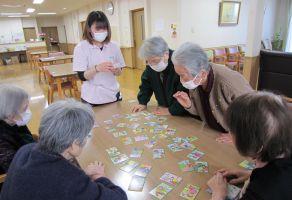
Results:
<point x="44" y="171"/>
<point x="212" y="87"/>
<point x="159" y="78"/>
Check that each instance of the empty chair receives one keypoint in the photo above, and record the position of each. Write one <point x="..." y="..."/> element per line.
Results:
<point x="221" y="58"/>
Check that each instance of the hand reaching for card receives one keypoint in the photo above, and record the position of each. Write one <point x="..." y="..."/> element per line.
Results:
<point x="218" y="185"/>
<point x="161" y="111"/>
<point x="95" y="170"/>
<point x="235" y="176"/>
<point x="138" y="108"/>
<point x="183" y="98"/>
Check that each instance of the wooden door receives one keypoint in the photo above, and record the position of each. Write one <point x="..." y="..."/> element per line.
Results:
<point x="29" y="33"/>
<point x="138" y="35"/>
<point x="51" y="34"/>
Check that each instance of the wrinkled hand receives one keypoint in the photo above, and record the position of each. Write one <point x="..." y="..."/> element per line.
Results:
<point x="183" y="98"/>
<point x="117" y="71"/>
<point x="225" y="139"/>
<point x="95" y="170"/>
<point x="218" y="185"/>
<point x="161" y="111"/>
<point x="105" y="67"/>
<point x="138" y="108"/>
<point x="235" y="176"/>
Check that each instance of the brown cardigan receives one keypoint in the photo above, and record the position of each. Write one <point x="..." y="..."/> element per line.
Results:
<point x="227" y="85"/>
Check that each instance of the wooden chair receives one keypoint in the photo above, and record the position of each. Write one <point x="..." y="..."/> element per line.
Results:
<point x="210" y="54"/>
<point x="41" y="70"/>
<point x="2" y="178"/>
<point x="67" y="84"/>
<point x="233" y="55"/>
<point x="220" y="57"/>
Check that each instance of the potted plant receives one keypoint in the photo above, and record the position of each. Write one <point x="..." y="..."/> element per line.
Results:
<point x="277" y="42"/>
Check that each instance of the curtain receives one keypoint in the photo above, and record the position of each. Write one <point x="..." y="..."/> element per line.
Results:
<point x="288" y="35"/>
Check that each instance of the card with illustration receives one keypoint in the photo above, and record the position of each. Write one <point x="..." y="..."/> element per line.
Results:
<point x="150" y="117"/>
<point x="170" y="131"/>
<point x="134" y="126"/>
<point x="136" y="152"/>
<point x="152" y="124"/>
<point x="171" y="178"/>
<point x="160" y="191"/>
<point x="139" y="130"/>
<point x="118" y="116"/>
<point x="127" y="140"/>
<point x="158" y="153"/>
<point x="177" y="140"/>
<point x="143" y="170"/>
<point x="190" y="192"/>
<point x="113" y="151"/>
<point x="195" y="155"/>
<point x="161" y="119"/>
<point x="119" y="158"/>
<point x="201" y="167"/>
<point x="120" y="134"/>
<point x="247" y="165"/>
<point x="191" y="139"/>
<point x="111" y="130"/>
<point x="150" y="144"/>
<point x="156" y="130"/>
<point x="121" y="125"/>
<point x="187" y="145"/>
<point x="174" y="147"/>
<point x="129" y="166"/>
<point x="109" y="122"/>
<point x="185" y="166"/>
<point x="134" y="119"/>
<point x="137" y="183"/>
<point x="141" y="138"/>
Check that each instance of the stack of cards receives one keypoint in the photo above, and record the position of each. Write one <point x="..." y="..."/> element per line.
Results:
<point x="190" y="192"/>
<point x="136" y="153"/>
<point x="143" y="170"/>
<point x="158" y="153"/>
<point x="129" y="166"/>
<point x="160" y="191"/>
<point x="137" y="183"/>
<point x="195" y="155"/>
<point x="201" y="167"/>
<point x="174" y="147"/>
<point x="247" y="165"/>
<point x="185" y="166"/>
<point x="171" y="178"/>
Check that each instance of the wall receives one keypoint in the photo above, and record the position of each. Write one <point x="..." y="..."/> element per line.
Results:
<point x="29" y="22"/>
<point x="270" y="19"/>
<point x="11" y="34"/>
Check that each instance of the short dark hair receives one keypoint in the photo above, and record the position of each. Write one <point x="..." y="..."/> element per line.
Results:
<point x="261" y="125"/>
<point x="101" y="21"/>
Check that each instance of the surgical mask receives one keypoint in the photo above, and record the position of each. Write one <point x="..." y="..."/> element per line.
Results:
<point x="190" y="85"/>
<point x="100" y="37"/>
<point x="160" y="66"/>
<point x="25" y="118"/>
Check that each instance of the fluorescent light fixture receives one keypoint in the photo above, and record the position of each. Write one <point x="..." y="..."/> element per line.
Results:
<point x="30" y="10"/>
<point x="47" y="13"/>
<point x="64" y="8"/>
<point x="18" y="16"/>
<point x="38" y="1"/>
<point x="8" y="14"/>
<point x="11" y="6"/>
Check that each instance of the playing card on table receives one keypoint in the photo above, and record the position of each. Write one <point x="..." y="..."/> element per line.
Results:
<point x="191" y="139"/>
<point x="143" y="170"/>
<point x="201" y="167"/>
<point x="137" y="183"/>
<point x="117" y="116"/>
<point x="150" y="144"/>
<point x="111" y="130"/>
<point x="108" y="122"/>
<point x="127" y="140"/>
<point x="119" y="158"/>
<point x="160" y="191"/>
<point x="195" y="155"/>
<point x="121" y="125"/>
<point x="113" y="151"/>
<point x="161" y="119"/>
<point x="150" y="117"/>
<point x="158" y="153"/>
<point x="136" y="153"/>
<point x="129" y="166"/>
<point x="156" y="130"/>
<point x="141" y="138"/>
<point x="134" y="126"/>
<point x="190" y="192"/>
<point x="185" y="166"/>
<point x="139" y="130"/>
<point x="120" y="134"/>
<point x="170" y="131"/>
<point x="146" y="113"/>
<point x="174" y="147"/>
<point x="134" y="119"/>
<point x="152" y="124"/>
<point x="171" y="178"/>
<point x="177" y="140"/>
<point x="247" y="165"/>
<point x="188" y="145"/>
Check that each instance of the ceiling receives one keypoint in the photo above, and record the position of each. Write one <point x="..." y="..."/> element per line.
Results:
<point x="52" y="6"/>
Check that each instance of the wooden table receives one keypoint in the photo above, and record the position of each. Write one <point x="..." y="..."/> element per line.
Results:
<point x="61" y="71"/>
<point x="217" y="155"/>
<point x="52" y="60"/>
<point x="37" y="54"/>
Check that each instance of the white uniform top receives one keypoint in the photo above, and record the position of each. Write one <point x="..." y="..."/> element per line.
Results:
<point x="103" y="87"/>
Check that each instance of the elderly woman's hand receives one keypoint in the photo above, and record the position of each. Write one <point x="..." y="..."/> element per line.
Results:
<point x="183" y="98"/>
<point x="95" y="170"/>
<point x="218" y="185"/>
<point x="138" y="108"/>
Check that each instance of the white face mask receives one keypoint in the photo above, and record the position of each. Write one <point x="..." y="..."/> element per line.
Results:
<point x="190" y="85"/>
<point x="25" y="118"/>
<point x="159" y="67"/>
<point x="100" y="37"/>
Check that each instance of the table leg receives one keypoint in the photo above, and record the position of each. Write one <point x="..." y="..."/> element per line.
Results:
<point x="59" y="86"/>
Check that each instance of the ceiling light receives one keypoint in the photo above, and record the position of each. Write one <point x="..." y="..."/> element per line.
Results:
<point x="64" y="8"/>
<point x="30" y="10"/>
<point x="18" y="16"/>
<point x="38" y="1"/>
<point x="7" y="14"/>
<point x="11" y="6"/>
<point x="47" y="13"/>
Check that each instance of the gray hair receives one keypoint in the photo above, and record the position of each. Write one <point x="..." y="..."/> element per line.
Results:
<point x="192" y="57"/>
<point x="154" y="46"/>
<point x="62" y="123"/>
<point x="12" y="98"/>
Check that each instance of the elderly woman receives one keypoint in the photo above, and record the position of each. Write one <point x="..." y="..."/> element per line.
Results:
<point x="44" y="171"/>
<point x="14" y="116"/>
<point x="212" y="87"/>
<point x="159" y="78"/>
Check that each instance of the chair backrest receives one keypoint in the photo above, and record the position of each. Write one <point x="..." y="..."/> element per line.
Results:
<point x="232" y="50"/>
<point x="210" y="54"/>
<point x="49" y="77"/>
<point x="2" y="178"/>
<point x="220" y="51"/>
<point x="53" y="54"/>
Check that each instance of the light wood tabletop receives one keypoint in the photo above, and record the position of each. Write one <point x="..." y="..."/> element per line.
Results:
<point x="38" y="52"/>
<point x="56" y="58"/>
<point x="61" y="70"/>
<point x="217" y="155"/>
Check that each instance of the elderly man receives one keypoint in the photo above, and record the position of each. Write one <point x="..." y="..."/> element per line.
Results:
<point x="159" y="78"/>
<point x="212" y="87"/>
<point x="44" y="171"/>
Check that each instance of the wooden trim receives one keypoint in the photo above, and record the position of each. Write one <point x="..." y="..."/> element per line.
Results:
<point x="2" y="178"/>
<point x="129" y="56"/>
<point x="251" y="70"/>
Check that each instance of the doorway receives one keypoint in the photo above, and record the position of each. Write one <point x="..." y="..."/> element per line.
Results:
<point x="52" y="38"/>
<point x="29" y="33"/>
<point x="138" y="21"/>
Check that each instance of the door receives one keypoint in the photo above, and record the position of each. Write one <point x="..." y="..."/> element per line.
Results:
<point x="138" y="35"/>
<point x="29" y="33"/>
<point x="52" y="37"/>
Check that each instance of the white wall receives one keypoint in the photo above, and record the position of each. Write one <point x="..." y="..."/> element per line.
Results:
<point x="270" y="19"/>
<point x="11" y="30"/>
<point x="30" y="22"/>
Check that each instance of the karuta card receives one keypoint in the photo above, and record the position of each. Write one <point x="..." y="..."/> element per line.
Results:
<point x="109" y="122"/>
<point x="160" y="191"/>
<point x="201" y="167"/>
<point x="136" y="153"/>
<point x="170" y="131"/>
<point x="171" y="178"/>
<point x="113" y="151"/>
<point x="139" y="130"/>
<point x="120" y="134"/>
<point x="191" y="139"/>
<point x="150" y="144"/>
<point x="118" y="116"/>
<point x="143" y="170"/>
<point x="111" y="130"/>
<point x="187" y="145"/>
<point x="177" y="140"/>
<point x="134" y="126"/>
<point x="185" y="166"/>
<point x="195" y="155"/>
<point x="247" y="165"/>
<point x="141" y="138"/>
<point x="161" y="119"/>
<point x="129" y="166"/>
<point x="119" y="159"/>
<point x="190" y="192"/>
<point x="174" y="147"/>
<point x="127" y="140"/>
<point x="137" y="183"/>
<point x="121" y="125"/>
<point x="134" y="119"/>
<point x="158" y="153"/>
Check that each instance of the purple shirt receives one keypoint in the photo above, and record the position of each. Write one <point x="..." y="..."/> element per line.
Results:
<point x="103" y="87"/>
